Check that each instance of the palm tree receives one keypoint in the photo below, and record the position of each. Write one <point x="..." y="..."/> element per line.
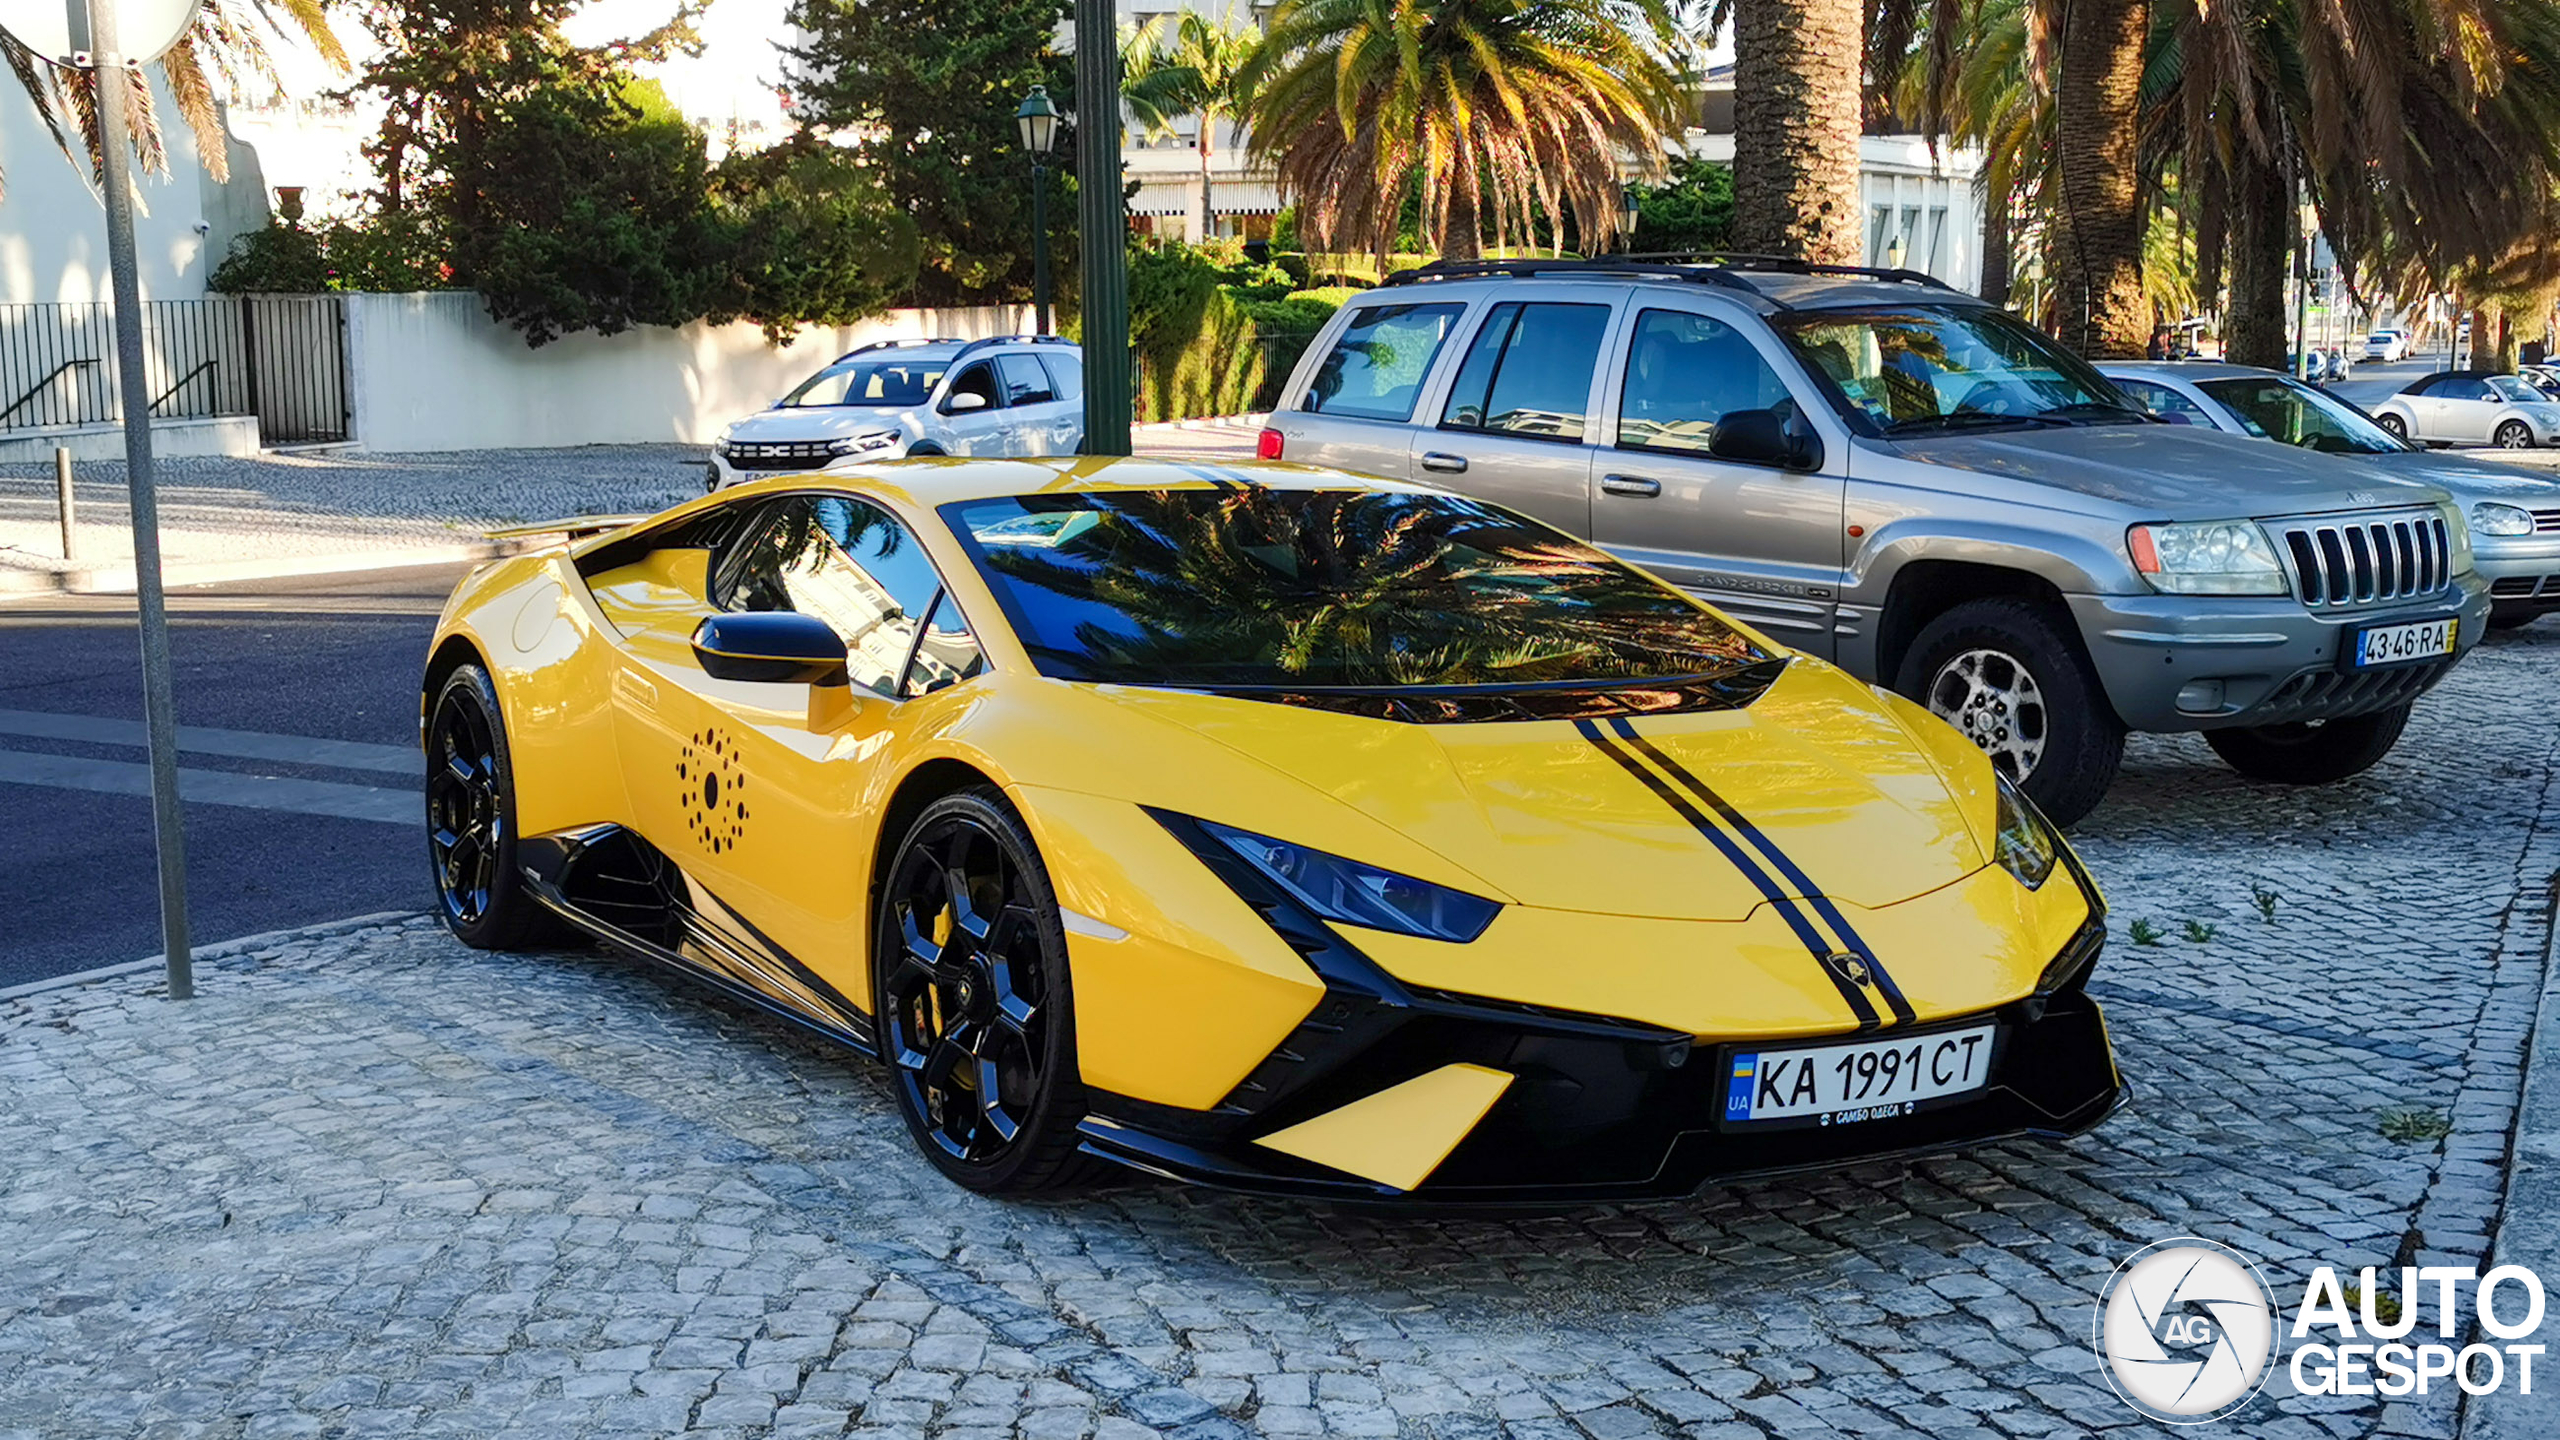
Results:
<point x="228" y="41"/>
<point x="1796" y="115"/>
<point x="2098" y="225"/>
<point x="1197" y="69"/>
<point x="1503" y="113"/>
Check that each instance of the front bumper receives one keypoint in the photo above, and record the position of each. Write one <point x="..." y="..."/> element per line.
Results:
<point x="2523" y="571"/>
<point x="719" y="473"/>
<point x="1593" y="1116"/>
<point x="2200" y="662"/>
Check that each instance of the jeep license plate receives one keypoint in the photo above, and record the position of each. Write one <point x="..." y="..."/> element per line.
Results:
<point x="2379" y="645"/>
<point x="1844" y="1084"/>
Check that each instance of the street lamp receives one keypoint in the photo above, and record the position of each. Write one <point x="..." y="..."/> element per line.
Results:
<point x="1629" y="204"/>
<point x="1038" y="120"/>
<point x="1893" y="253"/>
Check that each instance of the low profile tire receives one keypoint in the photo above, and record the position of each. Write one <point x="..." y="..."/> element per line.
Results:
<point x="2008" y="675"/>
<point x="471" y="815"/>
<point x="2515" y="435"/>
<point x="2311" y="752"/>
<point x="976" y="1020"/>
<point x="2398" y="427"/>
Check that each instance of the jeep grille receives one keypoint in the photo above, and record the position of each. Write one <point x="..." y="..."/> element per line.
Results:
<point x="2371" y="559"/>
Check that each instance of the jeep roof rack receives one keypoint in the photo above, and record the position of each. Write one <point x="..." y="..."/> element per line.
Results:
<point x="1698" y="267"/>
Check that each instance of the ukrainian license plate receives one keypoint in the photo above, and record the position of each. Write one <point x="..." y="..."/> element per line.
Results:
<point x="1870" y="1080"/>
<point x="2399" y="644"/>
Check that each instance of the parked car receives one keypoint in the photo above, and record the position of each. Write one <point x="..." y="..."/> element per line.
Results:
<point x="2387" y="345"/>
<point x="2472" y="407"/>
<point x="1261" y="826"/>
<point x="1893" y="475"/>
<point x="2324" y="367"/>
<point x="2545" y="378"/>
<point x="2514" y="512"/>
<point x="1006" y="395"/>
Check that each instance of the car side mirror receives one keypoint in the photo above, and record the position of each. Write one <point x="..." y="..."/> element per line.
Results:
<point x="774" y="647"/>
<point x="963" y="402"/>
<point x="1761" y="437"/>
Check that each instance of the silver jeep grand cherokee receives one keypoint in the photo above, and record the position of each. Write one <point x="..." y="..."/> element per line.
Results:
<point x="1890" y="474"/>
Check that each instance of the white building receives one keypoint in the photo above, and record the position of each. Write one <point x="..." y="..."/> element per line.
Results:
<point x="53" y="224"/>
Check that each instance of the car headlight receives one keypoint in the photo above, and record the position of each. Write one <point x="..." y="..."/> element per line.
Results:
<point x="2026" y="846"/>
<point x="2457" y="532"/>
<point x="2216" y="557"/>
<point x="863" y="444"/>
<point x="2491" y="518"/>
<point x="1350" y="893"/>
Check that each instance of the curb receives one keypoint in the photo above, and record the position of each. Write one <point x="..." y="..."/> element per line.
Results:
<point x="119" y="579"/>
<point x="216" y="952"/>
<point x="2528" y="1232"/>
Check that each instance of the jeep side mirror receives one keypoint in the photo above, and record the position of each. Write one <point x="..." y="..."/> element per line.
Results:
<point x="964" y="401"/>
<point x="1760" y="437"/>
<point x="774" y="647"/>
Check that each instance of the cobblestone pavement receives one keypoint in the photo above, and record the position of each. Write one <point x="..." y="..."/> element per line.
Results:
<point x="328" y="502"/>
<point x="377" y="1184"/>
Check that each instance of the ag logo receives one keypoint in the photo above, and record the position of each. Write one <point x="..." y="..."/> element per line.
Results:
<point x="2185" y="1330"/>
<point x="712" y="790"/>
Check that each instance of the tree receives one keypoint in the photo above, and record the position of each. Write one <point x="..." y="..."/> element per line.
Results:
<point x="2099" y="307"/>
<point x="1502" y="114"/>
<point x="1691" y="212"/>
<point x="228" y="40"/>
<point x="926" y="90"/>
<point x="1796" y="73"/>
<point x="813" y="240"/>
<point x="1197" y="69"/>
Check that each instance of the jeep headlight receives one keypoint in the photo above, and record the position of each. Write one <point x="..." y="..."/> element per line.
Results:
<point x="863" y="444"/>
<point x="2491" y="518"/>
<point x="2026" y="845"/>
<point x="1350" y="893"/>
<point x="2216" y="557"/>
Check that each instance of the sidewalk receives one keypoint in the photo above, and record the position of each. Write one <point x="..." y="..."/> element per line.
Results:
<point x="319" y="510"/>
<point x="374" y="1183"/>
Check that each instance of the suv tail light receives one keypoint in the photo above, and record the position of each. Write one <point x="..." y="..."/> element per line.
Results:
<point x="1269" y="446"/>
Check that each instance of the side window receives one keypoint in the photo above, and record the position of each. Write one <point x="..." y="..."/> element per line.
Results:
<point x="2164" y="402"/>
<point x="845" y="561"/>
<point x="1025" y="383"/>
<point x="2483" y="390"/>
<point x="1066" y="374"/>
<point x="1529" y="371"/>
<point x="947" y="654"/>
<point x="1685" y="373"/>
<point x="1376" y="369"/>
<point x="978" y="380"/>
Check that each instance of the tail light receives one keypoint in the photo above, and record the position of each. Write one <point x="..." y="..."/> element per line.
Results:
<point x="1270" y="445"/>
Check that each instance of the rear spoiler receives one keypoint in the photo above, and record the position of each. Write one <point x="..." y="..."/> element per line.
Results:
<point x="574" y="527"/>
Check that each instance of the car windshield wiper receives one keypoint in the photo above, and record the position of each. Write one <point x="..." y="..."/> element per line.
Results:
<point x="1956" y="419"/>
<point x="2104" y="410"/>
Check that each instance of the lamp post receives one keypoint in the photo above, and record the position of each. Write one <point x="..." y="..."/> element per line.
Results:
<point x="1108" y="381"/>
<point x="1038" y="120"/>
<point x="1628" y="213"/>
<point x="1893" y="253"/>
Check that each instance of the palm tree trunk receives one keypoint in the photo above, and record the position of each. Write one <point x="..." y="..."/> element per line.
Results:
<point x="2260" y="241"/>
<point x="1995" y="244"/>
<point x="2097" y="248"/>
<point x="1460" y="237"/>
<point x="1797" y="75"/>
<point x="1208" y="211"/>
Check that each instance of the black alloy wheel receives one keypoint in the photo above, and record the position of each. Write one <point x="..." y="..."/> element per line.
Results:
<point x="974" y="1011"/>
<point x="471" y="840"/>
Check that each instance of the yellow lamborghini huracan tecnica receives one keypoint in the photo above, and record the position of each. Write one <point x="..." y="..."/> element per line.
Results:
<point x="1263" y="826"/>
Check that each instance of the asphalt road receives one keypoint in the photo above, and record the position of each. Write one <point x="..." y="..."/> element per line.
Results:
<point x="298" y="706"/>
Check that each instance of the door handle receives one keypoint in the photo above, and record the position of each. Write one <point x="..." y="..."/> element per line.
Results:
<point x="1445" y="463"/>
<point x="1634" y="487"/>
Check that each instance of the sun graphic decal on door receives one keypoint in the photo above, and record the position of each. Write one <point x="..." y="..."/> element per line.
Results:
<point x="713" y="790"/>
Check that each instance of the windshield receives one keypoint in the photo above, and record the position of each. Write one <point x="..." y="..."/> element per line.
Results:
<point x="868" y="382"/>
<point x="2276" y="408"/>
<point x="2511" y="388"/>
<point x="1926" y="368"/>
<point x="1307" y="589"/>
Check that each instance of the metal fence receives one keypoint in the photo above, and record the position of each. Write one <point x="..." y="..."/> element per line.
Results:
<point x="281" y="358"/>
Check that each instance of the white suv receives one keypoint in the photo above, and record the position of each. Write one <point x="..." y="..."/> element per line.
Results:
<point x="1007" y="395"/>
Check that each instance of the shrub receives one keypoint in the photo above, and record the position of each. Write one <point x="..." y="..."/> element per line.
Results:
<point x="1694" y="211"/>
<point x="812" y="241"/>
<point x="388" y="253"/>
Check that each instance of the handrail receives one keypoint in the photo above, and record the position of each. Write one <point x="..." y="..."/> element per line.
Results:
<point x="184" y="381"/>
<point x="37" y="388"/>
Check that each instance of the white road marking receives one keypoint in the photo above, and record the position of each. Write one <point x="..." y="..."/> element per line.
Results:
<point x="218" y="787"/>
<point x="248" y="744"/>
